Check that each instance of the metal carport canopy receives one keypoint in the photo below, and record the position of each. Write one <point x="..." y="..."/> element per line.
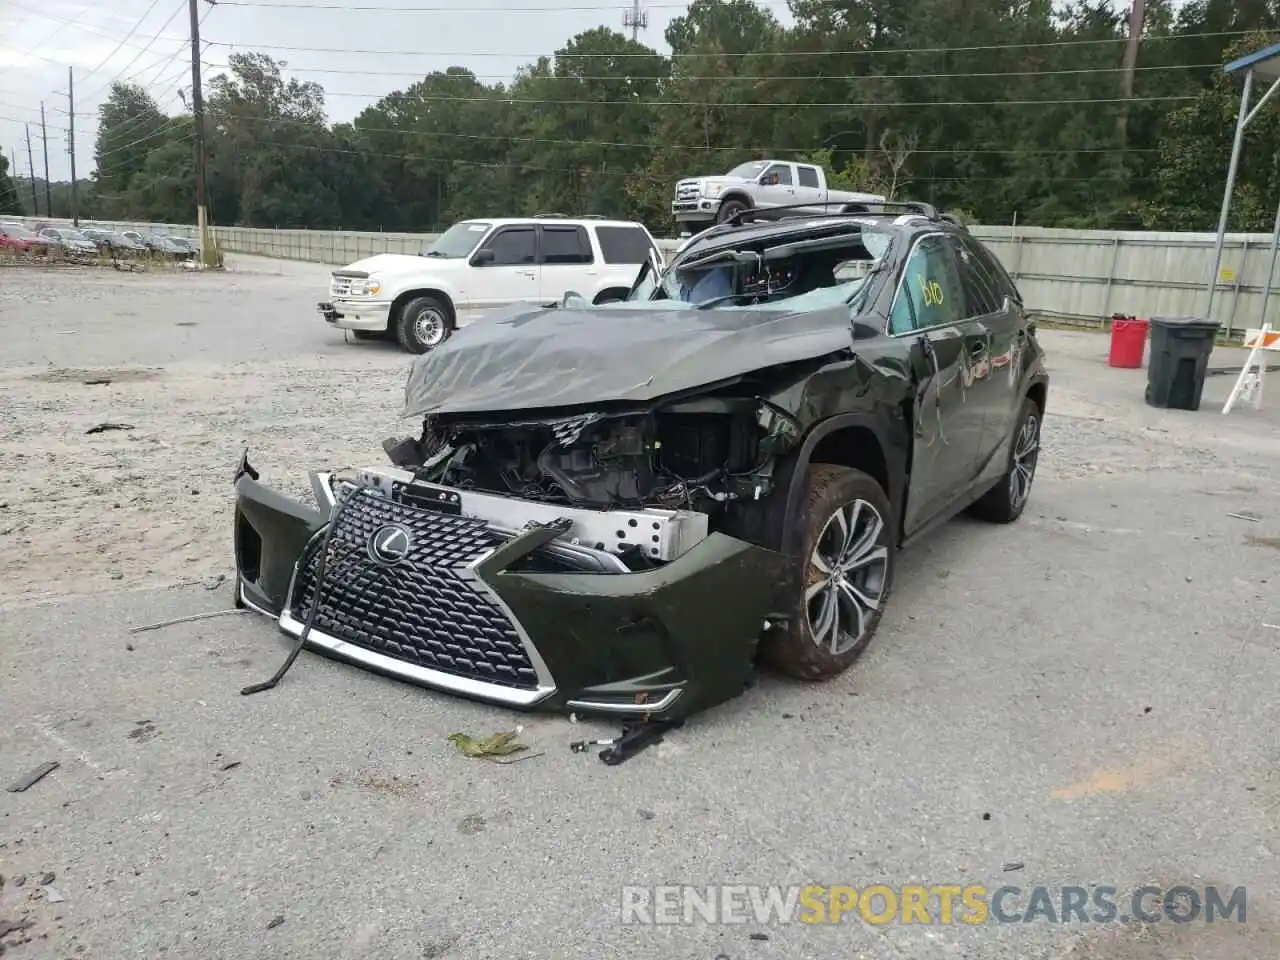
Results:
<point x="1265" y="65"/>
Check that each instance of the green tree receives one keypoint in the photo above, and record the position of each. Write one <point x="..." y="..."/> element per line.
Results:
<point x="999" y="108"/>
<point x="268" y="142"/>
<point x="130" y="125"/>
<point x="1195" y="148"/>
<point x="581" y="134"/>
<point x="8" y="189"/>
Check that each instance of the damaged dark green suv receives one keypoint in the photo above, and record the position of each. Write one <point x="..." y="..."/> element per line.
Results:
<point x="621" y="509"/>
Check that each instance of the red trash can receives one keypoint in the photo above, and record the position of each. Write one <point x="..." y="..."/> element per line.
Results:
<point x="1128" y="342"/>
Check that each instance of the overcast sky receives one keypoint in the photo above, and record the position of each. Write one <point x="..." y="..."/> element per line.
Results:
<point x="147" y="42"/>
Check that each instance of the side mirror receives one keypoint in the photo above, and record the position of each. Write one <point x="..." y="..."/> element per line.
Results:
<point x="573" y="298"/>
<point x="483" y="257"/>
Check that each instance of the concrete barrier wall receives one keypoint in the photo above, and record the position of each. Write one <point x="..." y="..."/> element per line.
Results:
<point x="1075" y="274"/>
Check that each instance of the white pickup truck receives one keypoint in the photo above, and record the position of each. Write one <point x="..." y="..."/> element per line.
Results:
<point x="761" y="183"/>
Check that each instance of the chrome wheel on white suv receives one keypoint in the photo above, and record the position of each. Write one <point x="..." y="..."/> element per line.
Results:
<point x="424" y="323"/>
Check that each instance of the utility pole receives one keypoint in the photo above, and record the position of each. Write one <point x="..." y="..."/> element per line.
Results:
<point x="31" y="174"/>
<point x="48" y="190"/>
<point x="13" y="174"/>
<point x="208" y="255"/>
<point x="1137" y="19"/>
<point x="636" y="19"/>
<point x="71" y="135"/>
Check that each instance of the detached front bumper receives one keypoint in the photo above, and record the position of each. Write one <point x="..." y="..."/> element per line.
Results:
<point x="355" y="314"/>
<point x="524" y="619"/>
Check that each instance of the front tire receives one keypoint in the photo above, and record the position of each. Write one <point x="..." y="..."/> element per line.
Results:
<point x="848" y="570"/>
<point x="424" y="323"/>
<point x="1005" y="502"/>
<point x="729" y="209"/>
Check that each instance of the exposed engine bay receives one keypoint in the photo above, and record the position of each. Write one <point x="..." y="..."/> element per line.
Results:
<point x="643" y="485"/>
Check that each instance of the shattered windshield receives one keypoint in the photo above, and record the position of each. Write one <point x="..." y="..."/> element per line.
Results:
<point x="797" y="274"/>
<point x="458" y="241"/>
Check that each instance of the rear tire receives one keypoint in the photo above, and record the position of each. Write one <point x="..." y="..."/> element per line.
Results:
<point x="1005" y="502"/>
<point x="424" y="323"/>
<point x="848" y="565"/>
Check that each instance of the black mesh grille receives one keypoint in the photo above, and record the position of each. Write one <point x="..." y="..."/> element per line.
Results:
<point x="423" y="610"/>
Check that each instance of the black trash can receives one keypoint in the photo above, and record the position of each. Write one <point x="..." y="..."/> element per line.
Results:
<point x="1180" y="349"/>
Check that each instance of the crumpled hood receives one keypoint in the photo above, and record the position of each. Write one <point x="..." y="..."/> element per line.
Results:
<point x="385" y="263"/>
<point x="522" y="359"/>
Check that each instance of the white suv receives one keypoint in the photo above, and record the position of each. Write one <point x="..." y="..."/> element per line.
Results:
<point x="480" y="265"/>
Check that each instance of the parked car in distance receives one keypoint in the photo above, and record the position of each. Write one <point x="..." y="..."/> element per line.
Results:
<point x="158" y="245"/>
<point x="484" y="264"/>
<point x="17" y="238"/>
<point x="760" y="184"/>
<point x="189" y="248"/>
<point x="75" y="243"/>
<point x="151" y="242"/>
<point x="114" y="244"/>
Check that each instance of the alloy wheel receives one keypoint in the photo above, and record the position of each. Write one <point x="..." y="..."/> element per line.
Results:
<point x="847" y="571"/>
<point x="428" y="328"/>
<point x="1026" y="451"/>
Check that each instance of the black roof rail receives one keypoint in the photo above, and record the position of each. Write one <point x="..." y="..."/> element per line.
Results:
<point x="926" y="210"/>
<point x="850" y="208"/>
<point x="550" y="216"/>
<point x="784" y="212"/>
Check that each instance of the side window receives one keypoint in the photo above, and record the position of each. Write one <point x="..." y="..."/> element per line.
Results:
<point x="1004" y="283"/>
<point x="808" y="176"/>
<point x="780" y="171"/>
<point x="512" y="246"/>
<point x="929" y="295"/>
<point x="562" y="245"/>
<point x="623" y="244"/>
<point x="982" y="295"/>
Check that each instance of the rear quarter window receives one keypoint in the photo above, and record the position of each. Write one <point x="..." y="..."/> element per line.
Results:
<point x="996" y="270"/>
<point x="624" y="244"/>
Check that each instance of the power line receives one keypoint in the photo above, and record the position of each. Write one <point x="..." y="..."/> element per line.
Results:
<point x="526" y="167"/>
<point x="179" y="9"/>
<point x="771" y="53"/>
<point x="758" y="78"/>
<point x="119" y="45"/>
<point x="132" y="124"/>
<point x="450" y="8"/>
<point x="84" y="27"/>
<point x="698" y="148"/>
<point x="170" y="124"/>
<point x="62" y="24"/>
<point x="499" y="98"/>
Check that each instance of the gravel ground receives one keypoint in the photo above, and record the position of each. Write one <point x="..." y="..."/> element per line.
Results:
<point x="198" y="367"/>
<point x="1088" y="693"/>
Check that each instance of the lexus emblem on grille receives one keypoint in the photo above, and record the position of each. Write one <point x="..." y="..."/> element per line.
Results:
<point x="389" y="544"/>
